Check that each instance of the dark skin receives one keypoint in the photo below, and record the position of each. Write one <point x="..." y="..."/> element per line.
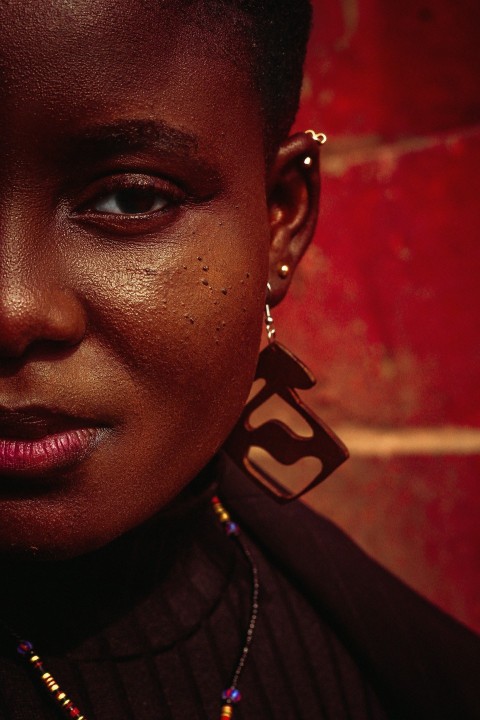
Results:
<point x="146" y="322"/>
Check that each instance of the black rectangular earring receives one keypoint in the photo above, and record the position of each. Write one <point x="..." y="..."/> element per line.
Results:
<point x="269" y="450"/>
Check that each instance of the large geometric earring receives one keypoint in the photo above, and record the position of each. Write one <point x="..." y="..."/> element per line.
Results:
<point x="292" y="452"/>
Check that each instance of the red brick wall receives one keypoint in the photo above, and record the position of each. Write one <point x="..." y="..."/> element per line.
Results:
<point x="386" y="307"/>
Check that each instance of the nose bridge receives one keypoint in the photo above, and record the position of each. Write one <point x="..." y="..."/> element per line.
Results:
<point x="17" y="261"/>
<point x="36" y="304"/>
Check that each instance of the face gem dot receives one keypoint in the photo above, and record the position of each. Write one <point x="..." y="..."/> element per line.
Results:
<point x="224" y="291"/>
<point x="204" y="281"/>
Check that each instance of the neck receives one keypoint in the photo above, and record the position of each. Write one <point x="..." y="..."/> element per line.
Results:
<point x="56" y="603"/>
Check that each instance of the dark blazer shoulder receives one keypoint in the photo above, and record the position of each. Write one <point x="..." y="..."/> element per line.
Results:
<point x="425" y="662"/>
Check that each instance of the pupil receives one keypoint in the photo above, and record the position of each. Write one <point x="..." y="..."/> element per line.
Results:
<point x="135" y="200"/>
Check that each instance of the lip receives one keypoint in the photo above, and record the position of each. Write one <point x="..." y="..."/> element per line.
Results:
<point x="35" y="441"/>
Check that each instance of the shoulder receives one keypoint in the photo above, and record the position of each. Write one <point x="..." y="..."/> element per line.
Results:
<point x="424" y="660"/>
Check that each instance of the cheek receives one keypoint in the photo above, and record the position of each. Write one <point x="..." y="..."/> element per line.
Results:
<point x="176" y="356"/>
<point x="184" y="323"/>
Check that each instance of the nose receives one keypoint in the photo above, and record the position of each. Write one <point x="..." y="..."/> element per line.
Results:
<point x="35" y="309"/>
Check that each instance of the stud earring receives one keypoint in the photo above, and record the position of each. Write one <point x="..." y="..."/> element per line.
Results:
<point x="269" y="449"/>
<point x="283" y="271"/>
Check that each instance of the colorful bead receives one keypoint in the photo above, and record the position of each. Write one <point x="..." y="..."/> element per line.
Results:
<point x="236" y="695"/>
<point x="220" y="511"/>
<point x="25" y="649"/>
<point x="231" y="528"/>
<point x="232" y="694"/>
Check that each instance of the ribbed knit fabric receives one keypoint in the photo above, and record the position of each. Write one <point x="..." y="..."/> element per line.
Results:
<point x="151" y="629"/>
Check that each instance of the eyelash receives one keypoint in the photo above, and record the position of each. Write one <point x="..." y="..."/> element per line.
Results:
<point x="171" y="196"/>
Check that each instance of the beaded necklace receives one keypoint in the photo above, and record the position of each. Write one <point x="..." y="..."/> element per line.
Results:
<point x="230" y="696"/>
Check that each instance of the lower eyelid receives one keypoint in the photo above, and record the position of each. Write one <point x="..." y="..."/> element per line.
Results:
<point x="125" y="225"/>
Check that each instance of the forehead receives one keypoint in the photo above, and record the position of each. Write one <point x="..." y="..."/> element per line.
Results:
<point x="79" y="26"/>
<point x="68" y="60"/>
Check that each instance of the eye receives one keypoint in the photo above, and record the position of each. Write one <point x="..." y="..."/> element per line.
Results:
<point x="130" y="203"/>
<point x="134" y="200"/>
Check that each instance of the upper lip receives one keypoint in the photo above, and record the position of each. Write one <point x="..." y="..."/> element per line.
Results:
<point x="34" y="422"/>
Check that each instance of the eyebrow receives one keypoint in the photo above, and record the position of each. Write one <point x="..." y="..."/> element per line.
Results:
<point x="128" y="135"/>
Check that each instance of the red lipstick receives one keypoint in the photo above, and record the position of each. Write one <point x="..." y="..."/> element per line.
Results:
<point x="35" y="440"/>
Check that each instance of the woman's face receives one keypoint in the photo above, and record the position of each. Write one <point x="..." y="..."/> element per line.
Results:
<point x="133" y="262"/>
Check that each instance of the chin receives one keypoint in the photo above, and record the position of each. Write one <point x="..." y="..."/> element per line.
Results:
<point x="27" y="549"/>
<point x="46" y="538"/>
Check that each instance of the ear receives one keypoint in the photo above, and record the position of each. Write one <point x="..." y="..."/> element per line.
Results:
<point x="293" y="196"/>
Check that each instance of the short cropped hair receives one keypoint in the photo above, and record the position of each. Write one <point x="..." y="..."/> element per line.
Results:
<point x="275" y="35"/>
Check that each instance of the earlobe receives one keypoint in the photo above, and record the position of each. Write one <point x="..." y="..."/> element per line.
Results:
<point x="294" y="188"/>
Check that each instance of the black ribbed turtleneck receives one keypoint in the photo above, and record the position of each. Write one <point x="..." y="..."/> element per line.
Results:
<point x="150" y="628"/>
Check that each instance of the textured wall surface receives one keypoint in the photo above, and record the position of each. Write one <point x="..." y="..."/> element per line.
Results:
<point x="386" y="307"/>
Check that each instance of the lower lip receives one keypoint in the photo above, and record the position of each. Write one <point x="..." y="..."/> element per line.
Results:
<point x="53" y="452"/>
